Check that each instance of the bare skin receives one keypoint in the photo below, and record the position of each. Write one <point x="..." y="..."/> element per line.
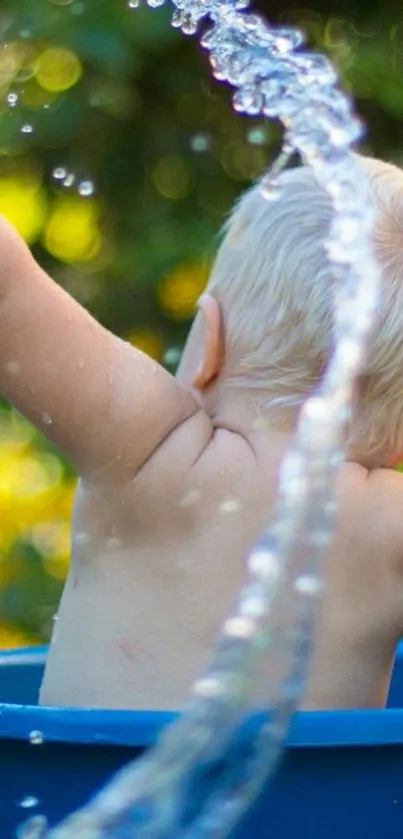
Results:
<point x="176" y="477"/>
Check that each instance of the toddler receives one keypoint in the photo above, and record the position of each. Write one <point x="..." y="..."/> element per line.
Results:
<point x="178" y="475"/>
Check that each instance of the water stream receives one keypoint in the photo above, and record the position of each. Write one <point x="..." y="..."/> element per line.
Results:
<point x="208" y="766"/>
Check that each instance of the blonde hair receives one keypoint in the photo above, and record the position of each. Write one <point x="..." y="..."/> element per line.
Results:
<point x="273" y="282"/>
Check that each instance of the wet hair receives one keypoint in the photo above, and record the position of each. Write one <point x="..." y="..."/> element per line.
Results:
<point x="273" y="282"/>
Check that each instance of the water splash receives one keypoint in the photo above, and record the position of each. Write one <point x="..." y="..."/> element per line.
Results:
<point x="155" y="797"/>
<point x="85" y="187"/>
<point x="13" y="100"/>
<point x="28" y="802"/>
<point x="36" y="737"/>
<point x="60" y="173"/>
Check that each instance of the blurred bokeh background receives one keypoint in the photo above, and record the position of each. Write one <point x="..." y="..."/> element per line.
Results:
<point x="119" y="159"/>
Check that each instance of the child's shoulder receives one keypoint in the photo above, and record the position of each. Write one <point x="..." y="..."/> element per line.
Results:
<point x="197" y="454"/>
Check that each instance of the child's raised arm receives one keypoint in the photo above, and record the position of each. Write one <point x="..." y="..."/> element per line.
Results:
<point x="104" y="403"/>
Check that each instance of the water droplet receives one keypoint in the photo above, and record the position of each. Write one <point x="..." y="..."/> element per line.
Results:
<point x="208" y="687"/>
<point x="13" y="367"/>
<point x="189" y="27"/>
<point x="231" y="505"/>
<point x="154" y="4"/>
<point x="270" y="189"/>
<point x="47" y="419"/>
<point x="190" y="498"/>
<point x="86" y="188"/>
<point x="133" y="4"/>
<point x="12" y="100"/>
<point x="172" y="357"/>
<point x="288" y="39"/>
<point x="80" y="538"/>
<point x="257" y="136"/>
<point x="69" y="180"/>
<point x="240" y="627"/>
<point x="200" y="142"/>
<point x="248" y="100"/>
<point x="36" y="737"/>
<point x="253" y="606"/>
<point x="27" y="129"/>
<point x="308" y="584"/>
<point x="177" y="19"/>
<point x="264" y="563"/>
<point x="60" y="173"/>
<point x="29" y="801"/>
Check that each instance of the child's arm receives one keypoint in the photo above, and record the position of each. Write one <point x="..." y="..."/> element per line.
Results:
<point x="104" y="403"/>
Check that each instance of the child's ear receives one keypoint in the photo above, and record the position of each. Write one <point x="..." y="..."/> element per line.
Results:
<point x="213" y="343"/>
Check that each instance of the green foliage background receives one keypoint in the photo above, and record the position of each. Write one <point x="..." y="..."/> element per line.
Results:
<point x="148" y="125"/>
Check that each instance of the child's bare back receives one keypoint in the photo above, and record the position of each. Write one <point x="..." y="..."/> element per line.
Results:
<point x="177" y="476"/>
<point x="158" y="558"/>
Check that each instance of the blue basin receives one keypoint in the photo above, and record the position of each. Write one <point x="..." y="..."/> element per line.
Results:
<point x="341" y="776"/>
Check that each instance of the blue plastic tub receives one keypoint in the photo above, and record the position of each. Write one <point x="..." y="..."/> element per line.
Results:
<point x="341" y="776"/>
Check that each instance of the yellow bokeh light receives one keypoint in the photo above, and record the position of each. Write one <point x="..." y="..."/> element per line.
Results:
<point x="24" y="204"/>
<point x="58" y="69"/>
<point x="148" y="342"/>
<point x="52" y="540"/>
<point x="11" y="637"/>
<point x="244" y="162"/>
<point x="172" y="177"/>
<point x="72" y="232"/>
<point x="24" y="475"/>
<point x="16" y="433"/>
<point x="43" y="499"/>
<point x="179" y="291"/>
<point x="9" y="64"/>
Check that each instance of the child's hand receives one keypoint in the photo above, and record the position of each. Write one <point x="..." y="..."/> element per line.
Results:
<point x="361" y="617"/>
<point x="104" y="403"/>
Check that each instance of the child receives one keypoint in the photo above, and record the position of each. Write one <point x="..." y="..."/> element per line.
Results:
<point x="177" y="476"/>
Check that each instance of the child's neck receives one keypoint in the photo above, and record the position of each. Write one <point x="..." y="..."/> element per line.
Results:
<point x="239" y="411"/>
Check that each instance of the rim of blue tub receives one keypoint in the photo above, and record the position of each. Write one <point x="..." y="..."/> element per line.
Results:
<point x="309" y="730"/>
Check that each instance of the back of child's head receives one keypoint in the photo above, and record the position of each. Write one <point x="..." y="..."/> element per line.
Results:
<point x="274" y="285"/>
